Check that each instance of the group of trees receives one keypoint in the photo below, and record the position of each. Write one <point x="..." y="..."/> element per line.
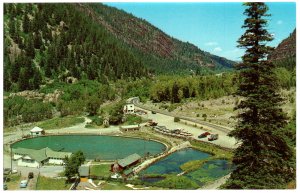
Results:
<point x="84" y="96"/>
<point x="174" y="89"/>
<point x="18" y="110"/>
<point x="44" y="41"/>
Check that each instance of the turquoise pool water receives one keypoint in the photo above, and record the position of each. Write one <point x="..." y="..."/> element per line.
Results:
<point x="171" y="163"/>
<point x="210" y="171"/>
<point x="102" y="147"/>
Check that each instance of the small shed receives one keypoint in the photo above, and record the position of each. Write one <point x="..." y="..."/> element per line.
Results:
<point x="37" y="131"/>
<point x="126" y="128"/>
<point x="84" y="173"/>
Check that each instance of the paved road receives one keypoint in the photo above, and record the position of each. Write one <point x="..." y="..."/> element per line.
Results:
<point x="168" y="121"/>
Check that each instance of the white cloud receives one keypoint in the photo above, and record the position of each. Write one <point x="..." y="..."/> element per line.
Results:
<point x="279" y="22"/>
<point x="234" y="51"/>
<point x="217" y="49"/>
<point x="211" y="43"/>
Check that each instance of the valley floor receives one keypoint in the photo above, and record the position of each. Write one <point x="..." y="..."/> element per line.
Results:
<point x="165" y="120"/>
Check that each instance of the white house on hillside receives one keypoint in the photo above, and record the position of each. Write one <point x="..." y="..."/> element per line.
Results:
<point x="128" y="109"/>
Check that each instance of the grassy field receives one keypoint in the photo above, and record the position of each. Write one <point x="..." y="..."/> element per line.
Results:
<point x="100" y="170"/>
<point x="45" y="183"/>
<point x="177" y="182"/>
<point x="218" y="111"/>
<point x="14" y="182"/>
<point x="60" y="122"/>
<point x="115" y="186"/>
<point x="217" y="152"/>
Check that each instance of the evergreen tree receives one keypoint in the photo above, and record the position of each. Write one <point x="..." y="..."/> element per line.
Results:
<point x="26" y="24"/>
<point x="12" y="28"/>
<point x="37" y="79"/>
<point x="264" y="160"/>
<point x="175" y="95"/>
<point x="37" y="40"/>
<point x="30" y="46"/>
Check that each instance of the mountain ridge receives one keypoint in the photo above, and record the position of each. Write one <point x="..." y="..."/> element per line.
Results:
<point x="163" y="45"/>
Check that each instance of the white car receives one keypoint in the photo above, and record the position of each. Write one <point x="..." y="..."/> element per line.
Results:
<point x="23" y="183"/>
<point x="14" y="171"/>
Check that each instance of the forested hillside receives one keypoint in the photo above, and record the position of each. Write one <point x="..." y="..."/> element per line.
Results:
<point x="43" y="42"/>
<point x="46" y="41"/>
<point x="143" y="36"/>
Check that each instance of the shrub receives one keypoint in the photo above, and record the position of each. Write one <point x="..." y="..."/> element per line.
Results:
<point x="97" y="120"/>
<point x="176" y="119"/>
<point x="133" y="119"/>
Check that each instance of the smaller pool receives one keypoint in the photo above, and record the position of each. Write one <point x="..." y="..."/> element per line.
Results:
<point x="210" y="171"/>
<point x="172" y="163"/>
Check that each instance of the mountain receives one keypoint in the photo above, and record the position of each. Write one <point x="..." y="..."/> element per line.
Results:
<point x="50" y="41"/>
<point x="284" y="54"/>
<point x="147" y="38"/>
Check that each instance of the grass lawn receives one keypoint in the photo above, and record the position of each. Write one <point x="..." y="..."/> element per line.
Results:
<point x="100" y="170"/>
<point x="45" y="183"/>
<point x="115" y="186"/>
<point x="60" y="122"/>
<point x="14" y="182"/>
<point x="217" y="152"/>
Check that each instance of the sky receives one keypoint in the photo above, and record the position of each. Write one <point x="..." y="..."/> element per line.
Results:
<point x="213" y="27"/>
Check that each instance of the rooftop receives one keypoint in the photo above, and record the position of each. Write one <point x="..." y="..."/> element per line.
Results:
<point x="129" y="126"/>
<point x="41" y="154"/>
<point x="129" y="160"/>
<point x="84" y="170"/>
<point x="36" y="129"/>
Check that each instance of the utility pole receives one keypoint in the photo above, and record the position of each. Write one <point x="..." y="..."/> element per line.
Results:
<point x="11" y="158"/>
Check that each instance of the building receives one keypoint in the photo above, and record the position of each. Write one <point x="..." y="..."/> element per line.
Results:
<point x="84" y="173"/>
<point x="126" y="128"/>
<point x="36" y="131"/>
<point x="126" y="163"/>
<point x="128" y="109"/>
<point x="37" y="158"/>
<point x="56" y="157"/>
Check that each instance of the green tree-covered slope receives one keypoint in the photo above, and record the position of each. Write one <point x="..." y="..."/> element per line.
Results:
<point x="56" y="41"/>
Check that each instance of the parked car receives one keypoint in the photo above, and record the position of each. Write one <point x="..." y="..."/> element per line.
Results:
<point x="6" y="178"/>
<point x="4" y="186"/>
<point x="23" y="183"/>
<point x="152" y="123"/>
<point x="203" y="135"/>
<point x="213" y="137"/>
<point x="176" y="131"/>
<point x="7" y="171"/>
<point x="30" y="175"/>
<point x="14" y="171"/>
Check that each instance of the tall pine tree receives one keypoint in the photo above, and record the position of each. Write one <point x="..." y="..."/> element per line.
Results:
<point x="263" y="160"/>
